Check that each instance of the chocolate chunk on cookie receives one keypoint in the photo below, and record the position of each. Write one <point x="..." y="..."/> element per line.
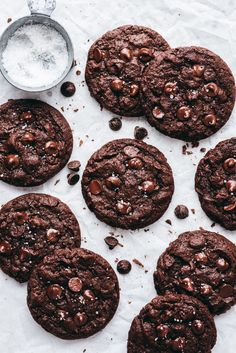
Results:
<point x="172" y="323"/>
<point x="128" y="184"/>
<point x="73" y="293"/>
<point x="188" y="93"/>
<point x="35" y="142"/>
<point x="215" y="183"/>
<point x="32" y="226"/>
<point x="115" y="65"/>
<point x="201" y="264"/>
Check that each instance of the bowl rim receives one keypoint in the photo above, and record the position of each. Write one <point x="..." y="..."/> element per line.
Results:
<point x="43" y="19"/>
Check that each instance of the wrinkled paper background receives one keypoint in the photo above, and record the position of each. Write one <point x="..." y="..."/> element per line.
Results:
<point x="209" y="23"/>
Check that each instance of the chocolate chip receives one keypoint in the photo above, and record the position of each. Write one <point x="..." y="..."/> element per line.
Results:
<point x="5" y="247"/>
<point x="126" y="54"/>
<point x="12" y="161"/>
<point x="134" y="90"/>
<point x="74" y="165"/>
<point x="162" y="331"/>
<point x="149" y="186"/>
<point x="51" y="147"/>
<point x="24" y="254"/>
<point x="210" y="120"/>
<point x="198" y="70"/>
<point x="230" y="165"/>
<point x="140" y="133"/>
<point x="135" y="163"/>
<point x="54" y="292"/>
<point x="201" y="257"/>
<point x="181" y="211"/>
<point x="115" y="124"/>
<point x="28" y="138"/>
<point x="197" y="241"/>
<point x="113" y="182"/>
<point x="75" y="284"/>
<point x="95" y="187"/>
<point x="222" y="264"/>
<point x="73" y="178"/>
<point x="37" y="222"/>
<point x="89" y="295"/>
<point x="97" y="55"/>
<point x="187" y="284"/>
<point x="68" y="89"/>
<point x="52" y="235"/>
<point x="158" y="113"/>
<point x="131" y="151"/>
<point x="21" y="217"/>
<point x="170" y="87"/>
<point x="231" y="185"/>
<point x="123" y="207"/>
<point x="111" y="242"/>
<point x="226" y="291"/>
<point x="178" y="344"/>
<point x="198" y="327"/>
<point x="124" y="267"/>
<point x="211" y="89"/>
<point x="116" y="85"/>
<point x="145" y="54"/>
<point x="231" y="207"/>
<point x="26" y="116"/>
<point x="80" y="319"/>
<point x="206" y="289"/>
<point x="184" y="113"/>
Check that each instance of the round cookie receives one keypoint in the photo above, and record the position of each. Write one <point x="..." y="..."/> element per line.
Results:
<point x="188" y="93"/>
<point x="128" y="184"/>
<point x="35" y="142"/>
<point x="201" y="264"/>
<point x="73" y="293"/>
<point x="215" y="183"/>
<point x="115" y="65"/>
<point x="172" y="323"/>
<point x="32" y="226"/>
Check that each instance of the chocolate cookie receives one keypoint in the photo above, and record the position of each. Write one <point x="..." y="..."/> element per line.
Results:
<point x="215" y="183"/>
<point x="31" y="226"/>
<point x="128" y="184"/>
<point x="73" y="293"/>
<point x="188" y="93"/>
<point x="201" y="264"/>
<point x="115" y="65"/>
<point x="35" y="142"/>
<point x="172" y="323"/>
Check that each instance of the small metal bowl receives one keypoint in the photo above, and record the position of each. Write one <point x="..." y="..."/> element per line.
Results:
<point x="41" y="11"/>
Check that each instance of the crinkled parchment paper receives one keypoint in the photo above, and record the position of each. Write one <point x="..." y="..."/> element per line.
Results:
<point x="209" y="23"/>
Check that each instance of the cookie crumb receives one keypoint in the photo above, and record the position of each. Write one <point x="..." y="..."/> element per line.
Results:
<point x="137" y="262"/>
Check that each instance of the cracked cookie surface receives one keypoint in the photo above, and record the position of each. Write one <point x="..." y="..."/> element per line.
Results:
<point x="215" y="183"/>
<point x="172" y="323"/>
<point x="35" y="142"/>
<point x="128" y="184"/>
<point x="32" y="226"/>
<point x="115" y="65"/>
<point x="188" y="93"/>
<point x="201" y="264"/>
<point x="73" y="293"/>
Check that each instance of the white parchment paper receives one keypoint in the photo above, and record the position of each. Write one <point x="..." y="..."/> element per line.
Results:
<point x="209" y="23"/>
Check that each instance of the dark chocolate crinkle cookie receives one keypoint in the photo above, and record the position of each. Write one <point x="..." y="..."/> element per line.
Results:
<point x="128" y="184"/>
<point x="201" y="264"/>
<point x="73" y="293"/>
<point x="188" y="93"/>
<point x="215" y="183"/>
<point x="172" y="323"/>
<point x="35" y="142"/>
<point x="115" y="65"/>
<point x="32" y="226"/>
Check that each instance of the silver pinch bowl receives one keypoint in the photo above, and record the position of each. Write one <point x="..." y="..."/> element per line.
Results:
<point x="41" y="11"/>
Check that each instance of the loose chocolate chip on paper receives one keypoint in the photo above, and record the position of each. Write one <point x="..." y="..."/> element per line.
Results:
<point x="115" y="124"/>
<point x="181" y="211"/>
<point x="140" y="133"/>
<point x="68" y="89"/>
<point x="124" y="266"/>
<point x="73" y="178"/>
<point x="74" y="165"/>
